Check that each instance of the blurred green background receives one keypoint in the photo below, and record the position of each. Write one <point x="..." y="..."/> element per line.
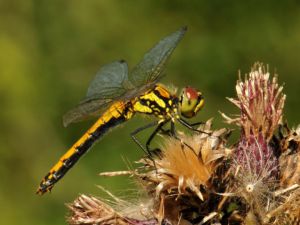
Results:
<point x="50" y="50"/>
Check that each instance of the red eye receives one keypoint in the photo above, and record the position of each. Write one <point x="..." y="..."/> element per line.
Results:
<point x="191" y="93"/>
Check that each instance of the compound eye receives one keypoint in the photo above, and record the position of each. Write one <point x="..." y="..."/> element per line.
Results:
<point x="191" y="101"/>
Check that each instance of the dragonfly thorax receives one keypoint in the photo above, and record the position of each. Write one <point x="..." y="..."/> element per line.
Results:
<point x="157" y="101"/>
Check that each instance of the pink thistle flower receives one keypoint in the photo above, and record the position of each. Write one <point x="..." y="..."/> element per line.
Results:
<point x="260" y="101"/>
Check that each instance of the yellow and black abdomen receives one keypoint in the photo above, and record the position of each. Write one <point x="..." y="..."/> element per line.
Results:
<point x="118" y="113"/>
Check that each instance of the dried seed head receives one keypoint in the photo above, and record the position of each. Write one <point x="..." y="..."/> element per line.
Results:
<point x="261" y="102"/>
<point x="187" y="163"/>
<point x="181" y="176"/>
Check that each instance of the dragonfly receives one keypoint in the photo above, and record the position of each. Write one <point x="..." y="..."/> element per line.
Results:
<point x="115" y="96"/>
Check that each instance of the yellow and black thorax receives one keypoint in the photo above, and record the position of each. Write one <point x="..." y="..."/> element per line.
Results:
<point x="158" y="101"/>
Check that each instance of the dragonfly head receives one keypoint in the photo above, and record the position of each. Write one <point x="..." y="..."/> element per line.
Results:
<point x="190" y="102"/>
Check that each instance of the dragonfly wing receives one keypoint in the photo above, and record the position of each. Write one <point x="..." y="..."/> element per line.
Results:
<point x="85" y="110"/>
<point x="110" y="83"/>
<point x="150" y="69"/>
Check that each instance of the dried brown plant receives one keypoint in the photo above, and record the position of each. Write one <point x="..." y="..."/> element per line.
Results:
<point x="182" y="178"/>
<point x="90" y="210"/>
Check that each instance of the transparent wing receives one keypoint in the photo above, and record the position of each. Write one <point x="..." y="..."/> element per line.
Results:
<point x="109" y="80"/>
<point x="85" y="110"/>
<point x="150" y="69"/>
<point x="110" y="83"/>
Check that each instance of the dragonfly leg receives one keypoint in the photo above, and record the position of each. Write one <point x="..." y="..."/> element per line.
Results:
<point x="146" y="148"/>
<point x="154" y="133"/>
<point x="196" y="124"/>
<point x="172" y="133"/>
<point x="191" y="126"/>
<point x="136" y="140"/>
<point x="183" y="144"/>
<point x="169" y="132"/>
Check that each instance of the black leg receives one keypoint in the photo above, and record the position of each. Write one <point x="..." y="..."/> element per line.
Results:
<point x="157" y="129"/>
<point x="147" y="149"/>
<point x="136" y="140"/>
<point x="196" y="124"/>
<point x="190" y="126"/>
<point x="172" y="132"/>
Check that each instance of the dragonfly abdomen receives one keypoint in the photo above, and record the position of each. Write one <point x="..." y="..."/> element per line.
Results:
<point x="118" y="113"/>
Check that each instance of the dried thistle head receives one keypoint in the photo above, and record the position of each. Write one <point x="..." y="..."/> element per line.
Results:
<point x="265" y="169"/>
<point x="187" y="162"/>
<point x="182" y="177"/>
<point x="260" y="101"/>
<point x="179" y="184"/>
<point x="255" y="166"/>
